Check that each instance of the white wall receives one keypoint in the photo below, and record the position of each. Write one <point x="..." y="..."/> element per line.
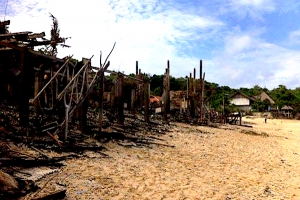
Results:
<point x="241" y="101"/>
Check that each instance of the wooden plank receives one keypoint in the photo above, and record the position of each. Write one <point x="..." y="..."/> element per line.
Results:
<point x="11" y="46"/>
<point x="36" y="35"/>
<point x="15" y="34"/>
<point x="33" y="36"/>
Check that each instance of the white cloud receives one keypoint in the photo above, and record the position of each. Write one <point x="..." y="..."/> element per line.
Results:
<point x="263" y="64"/>
<point x="264" y="5"/>
<point x="294" y="37"/>
<point x="237" y="44"/>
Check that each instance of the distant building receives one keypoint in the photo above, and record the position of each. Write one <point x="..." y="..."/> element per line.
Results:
<point x="264" y="97"/>
<point x="287" y="111"/>
<point x="242" y="101"/>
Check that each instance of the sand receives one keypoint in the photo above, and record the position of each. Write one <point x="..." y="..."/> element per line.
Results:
<point x="229" y="162"/>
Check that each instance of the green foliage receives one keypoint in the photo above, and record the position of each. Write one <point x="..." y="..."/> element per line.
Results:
<point x="156" y="82"/>
<point x="283" y="96"/>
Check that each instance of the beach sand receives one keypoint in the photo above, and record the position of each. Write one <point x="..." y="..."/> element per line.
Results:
<point x="228" y="162"/>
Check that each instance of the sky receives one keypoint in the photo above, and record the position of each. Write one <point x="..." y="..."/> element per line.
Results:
<point x="242" y="43"/>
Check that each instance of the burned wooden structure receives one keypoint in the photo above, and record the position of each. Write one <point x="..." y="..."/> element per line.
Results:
<point x="193" y="104"/>
<point x="47" y="91"/>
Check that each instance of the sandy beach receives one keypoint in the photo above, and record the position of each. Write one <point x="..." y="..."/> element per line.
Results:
<point x="227" y="162"/>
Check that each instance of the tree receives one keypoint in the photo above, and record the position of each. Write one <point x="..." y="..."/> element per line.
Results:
<point x="51" y="49"/>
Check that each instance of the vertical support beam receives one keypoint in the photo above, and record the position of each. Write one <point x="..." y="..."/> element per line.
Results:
<point x="24" y="90"/>
<point x="37" y="87"/>
<point x="100" y="101"/>
<point x="135" y="93"/>
<point x="132" y="103"/>
<point x="113" y="97"/>
<point x="146" y="102"/>
<point x="195" y="100"/>
<point x="67" y="109"/>
<point x="194" y="81"/>
<point x="166" y="99"/>
<point x="136" y="68"/>
<point x="168" y="88"/>
<point x="140" y="89"/>
<point x="202" y="95"/>
<point x="224" y="117"/>
<point x="191" y="97"/>
<point x="101" y="92"/>
<point x="201" y="92"/>
<point x="120" y="99"/>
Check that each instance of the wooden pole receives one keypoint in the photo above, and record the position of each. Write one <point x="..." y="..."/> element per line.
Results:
<point x="194" y="81"/>
<point x="146" y="102"/>
<point x="113" y="97"/>
<point x="195" y="100"/>
<point x="191" y="97"/>
<point x="202" y="96"/>
<point x="166" y="99"/>
<point x="140" y="89"/>
<point x="168" y="88"/>
<point x="100" y="100"/>
<point x="136" y="68"/>
<point x="132" y="102"/>
<point x="37" y="86"/>
<point x="24" y="90"/>
<point x="200" y="92"/>
<point x="101" y="92"/>
<point x="120" y="99"/>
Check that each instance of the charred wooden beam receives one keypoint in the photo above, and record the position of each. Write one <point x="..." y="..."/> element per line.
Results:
<point x="120" y="99"/>
<point x="47" y="56"/>
<point x="201" y="91"/>
<point x="36" y="35"/>
<point x="146" y="102"/>
<point x="5" y="23"/>
<point x="9" y="45"/>
<point x="24" y="90"/>
<point x="25" y="39"/>
<point x="132" y="102"/>
<point x="14" y="34"/>
<point x="100" y="100"/>
<point x="166" y="106"/>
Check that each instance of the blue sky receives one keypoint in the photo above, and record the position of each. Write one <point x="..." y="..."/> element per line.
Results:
<point x="242" y="43"/>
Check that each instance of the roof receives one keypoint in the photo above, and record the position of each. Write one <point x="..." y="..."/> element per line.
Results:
<point x="155" y="99"/>
<point x="285" y="107"/>
<point x="240" y="93"/>
<point x="263" y="96"/>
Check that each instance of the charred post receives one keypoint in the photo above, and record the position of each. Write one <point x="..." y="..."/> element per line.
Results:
<point x="24" y="90"/>
<point x="200" y="91"/>
<point x="191" y="97"/>
<point x="120" y="99"/>
<point x="146" y="102"/>
<point x="166" y="94"/>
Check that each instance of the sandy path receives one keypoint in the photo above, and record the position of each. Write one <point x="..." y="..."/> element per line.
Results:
<point x="207" y="163"/>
